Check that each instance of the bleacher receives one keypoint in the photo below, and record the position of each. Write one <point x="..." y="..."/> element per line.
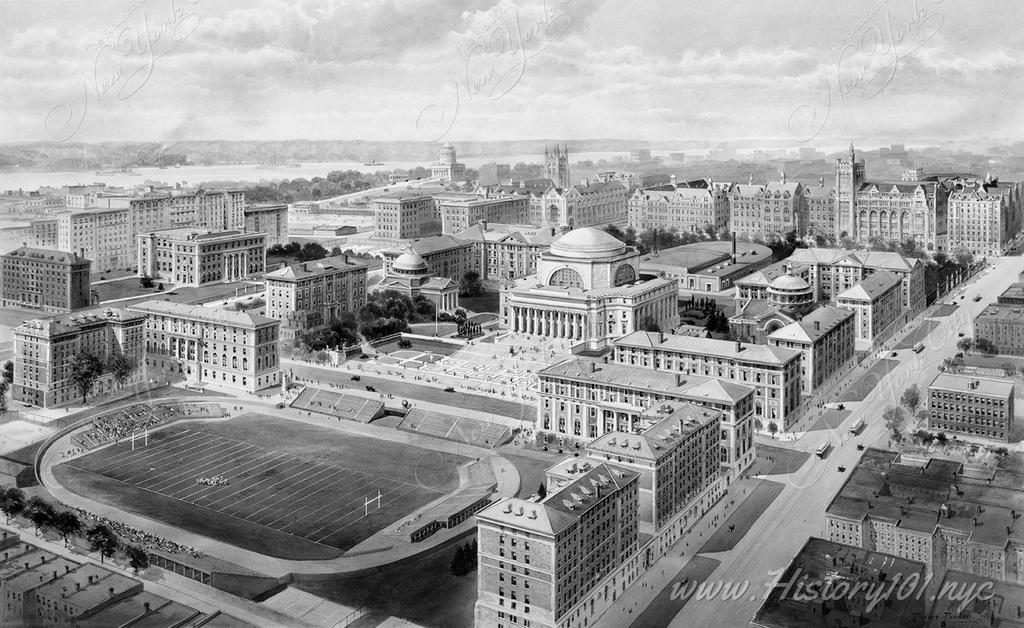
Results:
<point x="461" y="429"/>
<point x="338" y="405"/>
<point x="124" y="422"/>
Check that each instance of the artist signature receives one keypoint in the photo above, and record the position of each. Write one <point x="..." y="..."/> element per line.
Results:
<point x="496" y="63"/>
<point x="123" y="64"/>
<point x="866" y="65"/>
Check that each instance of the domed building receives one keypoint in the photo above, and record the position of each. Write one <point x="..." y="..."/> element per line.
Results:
<point x="410" y="276"/>
<point x="788" y="298"/>
<point x="588" y="288"/>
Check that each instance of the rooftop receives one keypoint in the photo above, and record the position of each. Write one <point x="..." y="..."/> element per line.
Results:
<point x="202" y="313"/>
<point x="952" y="382"/>
<point x="725" y="349"/>
<point x="886" y="260"/>
<point x="821" y="563"/>
<point x="813" y="326"/>
<point x="767" y="274"/>
<point x="45" y="255"/>
<point x="526" y="234"/>
<point x="871" y="288"/>
<point x="673" y="422"/>
<point x="323" y="266"/>
<point x="64" y="323"/>
<point x="711" y="257"/>
<point x="561" y="508"/>
<point x="202" y="235"/>
<point x="587" y="243"/>
<point x="429" y="245"/>
<point x="693" y="387"/>
<point x="1002" y="312"/>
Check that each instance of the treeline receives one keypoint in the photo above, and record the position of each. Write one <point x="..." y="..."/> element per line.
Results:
<point x="336" y="183"/>
<point x="67" y="523"/>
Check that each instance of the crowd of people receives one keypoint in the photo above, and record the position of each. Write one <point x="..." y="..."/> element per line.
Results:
<point x="215" y="480"/>
<point x="125" y="422"/>
<point x="137" y="537"/>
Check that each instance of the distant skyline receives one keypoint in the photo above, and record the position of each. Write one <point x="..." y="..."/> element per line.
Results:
<point x="802" y="72"/>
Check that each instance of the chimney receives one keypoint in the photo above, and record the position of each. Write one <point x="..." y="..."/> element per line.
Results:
<point x="593" y="367"/>
<point x="739" y="346"/>
<point x="24" y="244"/>
<point x="817" y="325"/>
<point x="346" y="258"/>
<point x="78" y="586"/>
<point x="81" y="252"/>
<point x="483" y="225"/>
<point x="111" y="590"/>
<point x="734" y="248"/>
<point x="305" y="267"/>
<point x="552" y="230"/>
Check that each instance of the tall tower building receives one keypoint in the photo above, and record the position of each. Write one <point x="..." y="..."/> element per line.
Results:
<point x="556" y="165"/>
<point x="849" y="176"/>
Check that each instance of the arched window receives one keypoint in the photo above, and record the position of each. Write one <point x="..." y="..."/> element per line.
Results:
<point x="234" y="362"/>
<point x="223" y="360"/>
<point x="245" y="363"/>
<point x="566" y="278"/>
<point x="625" y="274"/>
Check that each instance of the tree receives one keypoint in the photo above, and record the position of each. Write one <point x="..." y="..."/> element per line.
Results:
<point x="3" y="394"/>
<point x="985" y="345"/>
<point x="965" y="344"/>
<point x="138" y="558"/>
<point x="66" y="523"/>
<point x="649" y="324"/>
<point x="773" y="429"/>
<point x="40" y="513"/>
<point x="311" y="251"/>
<point x="1009" y="369"/>
<point x="146" y="281"/>
<point x="911" y="397"/>
<point x="8" y="372"/>
<point x="336" y="251"/>
<point x="893" y="418"/>
<point x="471" y="285"/>
<point x="12" y="502"/>
<point x="102" y="540"/>
<point x="160" y="286"/>
<point x="85" y="370"/>
<point x="542" y="490"/>
<point x="121" y="366"/>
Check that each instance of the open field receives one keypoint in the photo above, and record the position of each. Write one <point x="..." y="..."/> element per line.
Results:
<point x="918" y="335"/>
<point x="293" y="490"/>
<point x="863" y="386"/>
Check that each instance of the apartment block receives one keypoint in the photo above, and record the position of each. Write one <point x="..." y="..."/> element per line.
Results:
<point x="270" y="220"/>
<point x="1003" y="326"/>
<point x="834" y="270"/>
<point x="460" y="211"/>
<point x="43" y="349"/>
<point x="877" y="303"/>
<point x="44" y="279"/>
<point x="402" y="215"/>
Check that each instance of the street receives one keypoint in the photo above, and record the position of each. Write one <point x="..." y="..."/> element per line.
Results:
<point x="799" y="510"/>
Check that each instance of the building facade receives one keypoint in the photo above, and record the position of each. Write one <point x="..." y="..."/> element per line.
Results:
<point x="773" y="372"/>
<point x="205" y="345"/>
<point x="410" y="275"/>
<point x="44" y="348"/>
<point x="769" y="211"/>
<point x="590" y="204"/>
<point x="587" y="288"/>
<point x="834" y="270"/>
<point x="102" y="236"/>
<point x="460" y="211"/>
<point x="820" y="207"/>
<point x="445" y="256"/>
<point x="983" y="216"/>
<point x="270" y="220"/>
<point x="825" y="338"/>
<point x="309" y="294"/>
<point x="1003" y="326"/>
<point x="190" y="257"/>
<point x="505" y="252"/>
<point x="45" y="233"/>
<point x="971" y="407"/>
<point x="693" y="206"/>
<point x="556" y="165"/>
<point x="402" y="215"/>
<point x="897" y="210"/>
<point x="46" y="280"/>
<point x="447" y="167"/>
<point x="877" y="304"/>
<point x="538" y="561"/>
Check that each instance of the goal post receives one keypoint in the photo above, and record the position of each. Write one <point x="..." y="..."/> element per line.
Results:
<point x="369" y="500"/>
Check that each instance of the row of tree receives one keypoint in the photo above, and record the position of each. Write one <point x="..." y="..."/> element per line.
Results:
<point x="85" y="368"/>
<point x="6" y="380"/>
<point x="67" y="523"/>
<point x="464" y="561"/>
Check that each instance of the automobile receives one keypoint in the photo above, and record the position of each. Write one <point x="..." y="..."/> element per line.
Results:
<point x="450" y="389"/>
<point x="841" y="469"/>
<point x="961" y="334"/>
<point x="977" y="298"/>
<point x="371" y="389"/>
<point x="860" y="447"/>
<point x="834" y="405"/>
<point x="356" y="378"/>
<point x="894" y="354"/>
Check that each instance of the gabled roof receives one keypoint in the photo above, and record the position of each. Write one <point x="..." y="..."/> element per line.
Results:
<point x="679" y="384"/>
<point x="725" y="349"/>
<point x="827" y="318"/>
<point x="874" y="286"/>
<point x="45" y="255"/>
<point x="888" y="260"/>
<point x="429" y="245"/>
<point x="323" y="266"/>
<point x="202" y="313"/>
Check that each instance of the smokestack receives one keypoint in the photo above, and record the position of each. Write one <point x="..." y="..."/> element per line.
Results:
<point x="734" y="248"/>
<point x="346" y="259"/>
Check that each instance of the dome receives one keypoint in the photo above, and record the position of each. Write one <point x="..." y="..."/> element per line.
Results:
<point x="789" y="283"/>
<point x="587" y="242"/>
<point x="409" y="262"/>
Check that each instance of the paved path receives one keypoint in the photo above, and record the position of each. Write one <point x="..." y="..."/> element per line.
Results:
<point x="506" y="475"/>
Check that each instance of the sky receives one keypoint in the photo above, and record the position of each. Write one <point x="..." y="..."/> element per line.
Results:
<point x="800" y="72"/>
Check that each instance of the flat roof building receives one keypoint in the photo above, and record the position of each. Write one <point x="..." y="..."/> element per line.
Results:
<point x="44" y="279"/>
<point x="971" y="407"/>
<point x="825" y="337"/>
<point x="309" y="294"/>
<point x="197" y="257"/>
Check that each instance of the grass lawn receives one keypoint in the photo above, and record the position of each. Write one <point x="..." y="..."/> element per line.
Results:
<point x="531" y="470"/>
<point x="486" y="302"/>
<point x="664" y="608"/>
<point x="294" y="490"/>
<point x="869" y="380"/>
<point x="744" y="516"/>
<point x="918" y="335"/>
<point x="123" y="288"/>
<point x="421" y="589"/>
